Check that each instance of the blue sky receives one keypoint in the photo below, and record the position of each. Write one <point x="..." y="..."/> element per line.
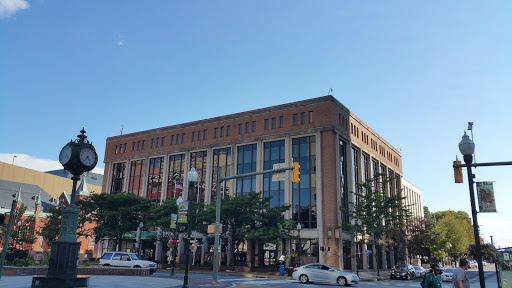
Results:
<point x="415" y="71"/>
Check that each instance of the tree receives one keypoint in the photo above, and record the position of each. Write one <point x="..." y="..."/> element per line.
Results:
<point x="249" y="217"/>
<point x="381" y="216"/>
<point x="23" y="229"/>
<point x="114" y="214"/>
<point x="51" y="228"/>
<point x="489" y="252"/>
<point x="453" y="234"/>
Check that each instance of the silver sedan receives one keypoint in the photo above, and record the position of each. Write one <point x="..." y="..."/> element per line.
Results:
<point x="316" y="272"/>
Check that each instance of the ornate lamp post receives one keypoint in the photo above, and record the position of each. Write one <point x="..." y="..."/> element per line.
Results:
<point x="299" y="249"/>
<point x="353" y="222"/>
<point x="192" y="178"/>
<point x="77" y="157"/>
<point x="467" y="148"/>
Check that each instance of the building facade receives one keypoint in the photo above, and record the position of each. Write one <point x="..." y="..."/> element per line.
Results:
<point x="335" y="150"/>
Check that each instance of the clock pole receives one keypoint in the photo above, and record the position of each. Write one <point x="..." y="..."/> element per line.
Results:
<point x="77" y="157"/>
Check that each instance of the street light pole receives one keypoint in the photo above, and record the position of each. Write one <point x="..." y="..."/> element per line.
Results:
<point x="217" y="228"/>
<point x="467" y="147"/>
<point x="299" y="249"/>
<point x="353" y="221"/>
<point x="192" y="177"/>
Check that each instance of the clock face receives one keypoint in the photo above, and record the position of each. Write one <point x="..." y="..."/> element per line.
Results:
<point x="88" y="157"/>
<point x="65" y="155"/>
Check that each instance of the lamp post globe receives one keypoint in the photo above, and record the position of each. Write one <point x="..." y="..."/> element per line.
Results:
<point x="466" y="146"/>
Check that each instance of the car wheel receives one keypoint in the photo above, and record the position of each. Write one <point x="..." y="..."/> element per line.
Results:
<point x="342" y="281"/>
<point x="136" y="266"/>
<point x="106" y="264"/>
<point x="304" y="279"/>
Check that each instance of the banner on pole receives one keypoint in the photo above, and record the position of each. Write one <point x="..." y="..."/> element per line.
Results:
<point x="485" y="192"/>
<point x="182" y="211"/>
<point x="174" y="217"/>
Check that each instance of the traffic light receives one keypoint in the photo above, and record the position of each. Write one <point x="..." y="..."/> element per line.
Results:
<point x="322" y="248"/>
<point x="458" y="172"/>
<point x="296" y="173"/>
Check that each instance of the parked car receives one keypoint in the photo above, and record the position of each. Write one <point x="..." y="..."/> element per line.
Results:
<point x="316" y="272"/>
<point x="403" y="272"/>
<point x="484" y="263"/>
<point x="419" y="271"/>
<point x="447" y="274"/>
<point x="125" y="259"/>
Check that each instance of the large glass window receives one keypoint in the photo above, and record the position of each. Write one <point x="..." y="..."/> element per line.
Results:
<point x="198" y="161"/>
<point x="246" y="163"/>
<point x="365" y="170"/>
<point x="222" y="161"/>
<point x="136" y="177"/>
<point x="355" y="172"/>
<point x="343" y="183"/>
<point x="118" y="174"/>
<point x="304" y="192"/>
<point x="176" y="172"/>
<point x="155" y="178"/>
<point x="375" y="171"/>
<point x="273" y="153"/>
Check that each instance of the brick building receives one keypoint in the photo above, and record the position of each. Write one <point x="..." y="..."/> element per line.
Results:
<point x="334" y="147"/>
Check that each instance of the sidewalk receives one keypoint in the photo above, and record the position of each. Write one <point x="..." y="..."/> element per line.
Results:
<point x="155" y="281"/>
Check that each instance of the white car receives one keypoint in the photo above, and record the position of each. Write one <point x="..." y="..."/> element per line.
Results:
<point x="316" y="272"/>
<point x="419" y="271"/>
<point x="125" y="259"/>
<point x="447" y="274"/>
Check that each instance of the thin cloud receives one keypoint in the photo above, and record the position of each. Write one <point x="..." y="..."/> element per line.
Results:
<point x="120" y="40"/>
<point x="43" y="165"/>
<point x="10" y="7"/>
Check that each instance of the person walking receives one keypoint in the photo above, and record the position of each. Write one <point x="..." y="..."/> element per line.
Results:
<point x="460" y="277"/>
<point x="433" y="280"/>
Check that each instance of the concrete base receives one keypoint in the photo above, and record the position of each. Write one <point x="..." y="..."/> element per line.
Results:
<point x="44" y="281"/>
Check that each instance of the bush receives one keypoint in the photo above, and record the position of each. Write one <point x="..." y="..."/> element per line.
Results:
<point x="22" y="262"/>
<point x="46" y="259"/>
<point x="93" y="259"/>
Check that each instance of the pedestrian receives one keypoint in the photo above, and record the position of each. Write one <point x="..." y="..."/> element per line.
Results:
<point x="460" y="277"/>
<point x="433" y="280"/>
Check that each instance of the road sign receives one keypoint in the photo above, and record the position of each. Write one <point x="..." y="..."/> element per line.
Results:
<point x="368" y="251"/>
<point x="279" y="176"/>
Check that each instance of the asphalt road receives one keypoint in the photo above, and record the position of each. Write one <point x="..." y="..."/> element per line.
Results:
<point x="243" y="282"/>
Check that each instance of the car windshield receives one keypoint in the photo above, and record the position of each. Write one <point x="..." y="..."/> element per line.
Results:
<point x="134" y="257"/>
<point x="404" y="268"/>
<point x="450" y="270"/>
<point x="417" y="268"/>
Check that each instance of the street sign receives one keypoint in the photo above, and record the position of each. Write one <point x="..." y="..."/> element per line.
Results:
<point x="368" y="251"/>
<point x="279" y="176"/>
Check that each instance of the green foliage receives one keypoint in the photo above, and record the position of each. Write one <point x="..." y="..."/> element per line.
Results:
<point x="22" y="262"/>
<point x="249" y="217"/>
<point x="383" y="217"/>
<point x="51" y="229"/>
<point x="24" y="233"/>
<point x="160" y="215"/>
<point x="114" y="214"/>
